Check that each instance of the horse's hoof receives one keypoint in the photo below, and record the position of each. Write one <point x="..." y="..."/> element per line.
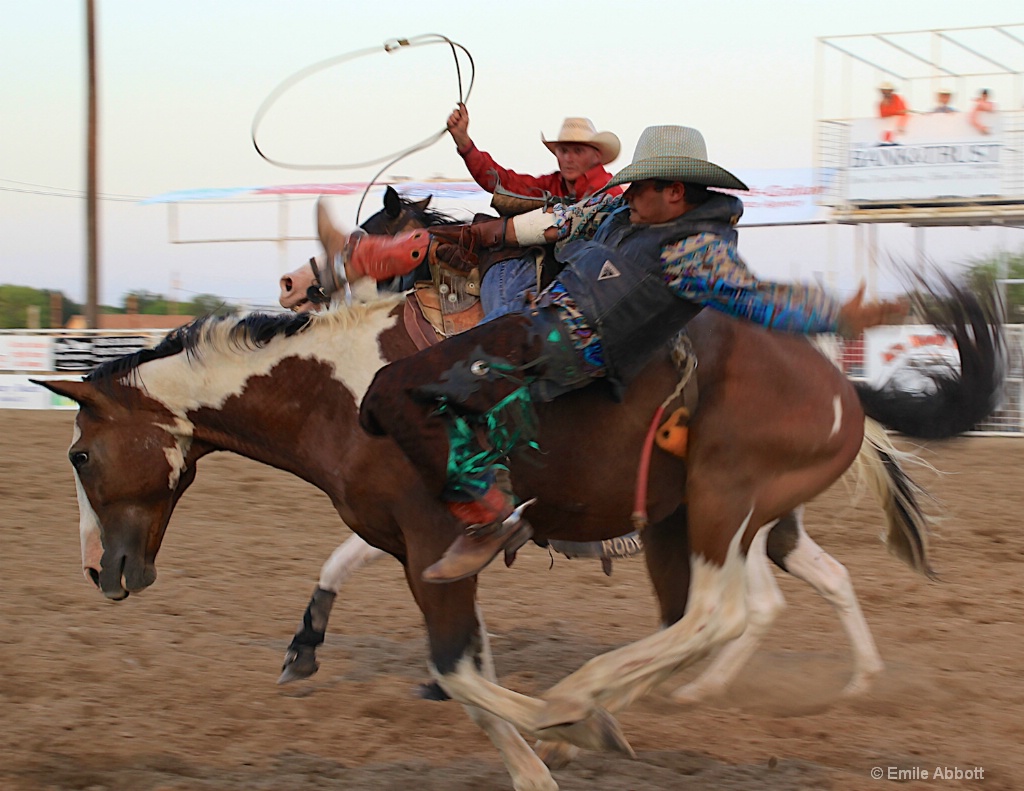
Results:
<point x="556" y="755"/>
<point x="298" y="664"/>
<point x="562" y="712"/>
<point x="596" y="729"/>
<point x="431" y="691"/>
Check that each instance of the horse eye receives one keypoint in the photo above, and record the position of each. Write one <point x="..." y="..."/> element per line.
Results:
<point x="78" y="458"/>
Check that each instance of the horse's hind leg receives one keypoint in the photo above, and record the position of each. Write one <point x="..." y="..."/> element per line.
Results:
<point x="764" y="603"/>
<point x="797" y="554"/>
<point x="667" y="555"/>
<point x="716" y="613"/>
<point x="300" y="656"/>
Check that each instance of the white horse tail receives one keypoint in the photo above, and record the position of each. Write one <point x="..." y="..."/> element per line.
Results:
<point x="878" y="465"/>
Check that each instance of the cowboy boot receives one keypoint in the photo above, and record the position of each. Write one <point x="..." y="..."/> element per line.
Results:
<point x="492" y="526"/>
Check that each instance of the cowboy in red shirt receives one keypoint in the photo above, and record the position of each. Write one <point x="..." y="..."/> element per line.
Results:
<point x="581" y="151"/>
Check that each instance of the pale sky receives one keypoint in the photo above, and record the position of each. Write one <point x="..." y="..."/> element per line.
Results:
<point x="181" y="80"/>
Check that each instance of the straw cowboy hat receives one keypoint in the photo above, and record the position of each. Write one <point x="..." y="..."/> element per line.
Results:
<point x="581" y="130"/>
<point x="674" y="153"/>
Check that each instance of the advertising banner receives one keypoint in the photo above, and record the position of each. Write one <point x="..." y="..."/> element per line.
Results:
<point x="26" y="353"/>
<point x="83" y="353"/>
<point x="779" y="196"/>
<point x="17" y="392"/>
<point x="936" y="155"/>
<point x="904" y="356"/>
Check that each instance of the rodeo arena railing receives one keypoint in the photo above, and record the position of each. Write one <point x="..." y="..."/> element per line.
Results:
<point x="900" y="354"/>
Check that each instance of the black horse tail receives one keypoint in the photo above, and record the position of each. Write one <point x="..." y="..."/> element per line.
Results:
<point x="958" y="400"/>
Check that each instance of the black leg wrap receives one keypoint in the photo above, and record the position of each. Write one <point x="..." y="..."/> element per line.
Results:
<point x="432" y="691"/>
<point x="300" y="657"/>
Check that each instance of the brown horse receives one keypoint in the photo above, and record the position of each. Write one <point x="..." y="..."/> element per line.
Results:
<point x="788" y="544"/>
<point x="777" y="424"/>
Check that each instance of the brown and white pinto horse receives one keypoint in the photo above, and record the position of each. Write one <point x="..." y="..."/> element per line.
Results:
<point x="777" y="424"/>
<point x="788" y="544"/>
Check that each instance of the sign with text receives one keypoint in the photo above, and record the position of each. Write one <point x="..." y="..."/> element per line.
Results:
<point x="83" y="353"/>
<point x="936" y="155"/>
<point x="26" y="353"/>
<point x="783" y="196"/>
<point x="907" y="356"/>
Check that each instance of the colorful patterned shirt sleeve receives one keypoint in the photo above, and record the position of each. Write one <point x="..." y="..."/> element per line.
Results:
<point x="706" y="269"/>
<point x="580" y="220"/>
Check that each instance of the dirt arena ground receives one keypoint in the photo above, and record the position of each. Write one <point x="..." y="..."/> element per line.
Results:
<point x="175" y="689"/>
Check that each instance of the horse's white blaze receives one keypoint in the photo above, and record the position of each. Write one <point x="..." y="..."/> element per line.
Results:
<point x="345" y="561"/>
<point x="88" y="522"/>
<point x="716" y="614"/>
<point x="812" y="564"/>
<point x="837" y="416"/>
<point x="353" y="355"/>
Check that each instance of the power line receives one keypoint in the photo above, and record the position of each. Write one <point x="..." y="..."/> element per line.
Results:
<point x="61" y="192"/>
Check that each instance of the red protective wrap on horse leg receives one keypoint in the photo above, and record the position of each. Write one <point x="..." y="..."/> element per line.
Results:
<point x="385" y="257"/>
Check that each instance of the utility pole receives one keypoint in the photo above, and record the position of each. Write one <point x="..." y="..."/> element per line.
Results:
<point x="91" y="216"/>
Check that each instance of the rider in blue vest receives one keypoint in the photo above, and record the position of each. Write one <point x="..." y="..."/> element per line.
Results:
<point x="637" y="268"/>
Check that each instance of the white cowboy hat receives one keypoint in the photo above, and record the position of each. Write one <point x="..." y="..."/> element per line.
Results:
<point x="674" y="153"/>
<point x="581" y="130"/>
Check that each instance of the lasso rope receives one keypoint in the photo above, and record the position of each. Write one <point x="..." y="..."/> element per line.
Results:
<point x="390" y="46"/>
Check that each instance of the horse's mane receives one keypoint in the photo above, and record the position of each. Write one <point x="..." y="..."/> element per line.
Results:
<point x="429" y="216"/>
<point x="233" y="333"/>
<point x="437" y="217"/>
<point x="426" y="216"/>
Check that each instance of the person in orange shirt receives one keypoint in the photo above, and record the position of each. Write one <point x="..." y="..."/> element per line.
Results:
<point x="982" y="106"/>
<point x="892" y="105"/>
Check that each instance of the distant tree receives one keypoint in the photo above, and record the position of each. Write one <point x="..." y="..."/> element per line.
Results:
<point x="153" y="304"/>
<point x="209" y="304"/>
<point x="145" y="302"/>
<point x="15" y="301"/>
<point x="983" y="274"/>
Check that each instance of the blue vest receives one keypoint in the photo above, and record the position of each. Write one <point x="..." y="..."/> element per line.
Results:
<point x="617" y="281"/>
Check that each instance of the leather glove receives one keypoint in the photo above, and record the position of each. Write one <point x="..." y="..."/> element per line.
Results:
<point x="486" y="235"/>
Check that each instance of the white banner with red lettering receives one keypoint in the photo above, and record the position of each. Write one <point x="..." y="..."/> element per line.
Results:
<point x="26" y="353"/>
<point x="904" y="355"/>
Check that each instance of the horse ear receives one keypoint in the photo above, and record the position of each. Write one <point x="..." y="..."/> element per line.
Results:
<point x="392" y="202"/>
<point x="82" y="393"/>
<point x="332" y="239"/>
<point x="422" y="205"/>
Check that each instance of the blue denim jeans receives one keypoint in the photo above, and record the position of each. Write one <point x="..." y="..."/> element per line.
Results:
<point x="505" y="286"/>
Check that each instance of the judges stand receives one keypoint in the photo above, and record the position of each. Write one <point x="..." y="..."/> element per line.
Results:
<point x="939" y="169"/>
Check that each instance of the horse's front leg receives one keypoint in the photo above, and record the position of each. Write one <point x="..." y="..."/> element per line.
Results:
<point x="460" y="662"/>
<point x="300" y="657"/>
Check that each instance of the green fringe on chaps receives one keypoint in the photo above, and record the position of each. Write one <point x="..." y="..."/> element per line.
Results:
<point x="508" y="425"/>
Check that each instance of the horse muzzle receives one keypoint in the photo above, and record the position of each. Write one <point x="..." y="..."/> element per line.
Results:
<point x="295" y="289"/>
<point x="119" y="576"/>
